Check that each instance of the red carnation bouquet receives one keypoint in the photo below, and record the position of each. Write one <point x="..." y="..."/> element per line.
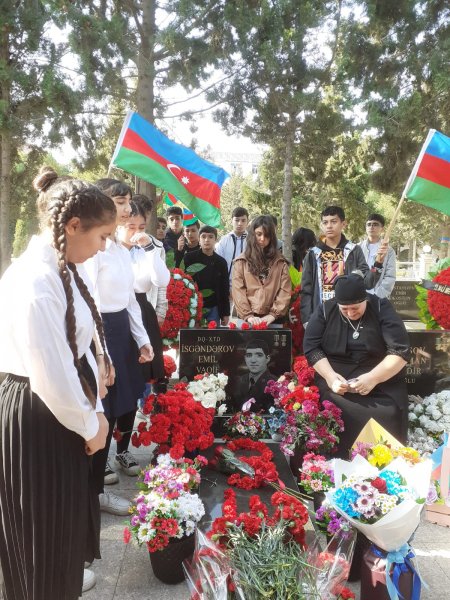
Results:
<point x="169" y="366"/>
<point x="434" y="306"/>
<point x="186" y="304"/>
<point x="178" y="423"/>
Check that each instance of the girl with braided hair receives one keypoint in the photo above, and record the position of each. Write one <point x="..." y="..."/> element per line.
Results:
<point x="51" y="415"/>
<point x="128" y="345"/>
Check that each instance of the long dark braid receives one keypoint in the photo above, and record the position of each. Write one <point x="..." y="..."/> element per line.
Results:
<point x="60" y="214"/>
<point x="84" y="291"/>
<point x="61" y="199"/>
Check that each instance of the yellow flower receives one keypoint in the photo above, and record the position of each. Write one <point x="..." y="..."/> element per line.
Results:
<point x="296" y="405"/>
<point x="409" y="454"/>
<point x="380" y="456"/>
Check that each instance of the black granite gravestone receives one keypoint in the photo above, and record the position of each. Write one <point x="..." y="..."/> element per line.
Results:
<point x="403" y="298"/>
<point x="428" y="370"/>
<point x="249" y="358"/>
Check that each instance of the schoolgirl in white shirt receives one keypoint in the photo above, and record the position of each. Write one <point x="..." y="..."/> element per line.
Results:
<point x="128" y="345"/>
<point x="51" y="416"/>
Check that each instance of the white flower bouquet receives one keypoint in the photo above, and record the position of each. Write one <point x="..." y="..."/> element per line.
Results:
<point x="209" y="390"/>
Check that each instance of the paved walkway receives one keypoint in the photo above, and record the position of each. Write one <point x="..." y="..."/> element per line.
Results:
<point x="125" y="573"/>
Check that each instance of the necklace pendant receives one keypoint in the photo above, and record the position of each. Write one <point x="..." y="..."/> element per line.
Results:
<point x="355" y="335"/>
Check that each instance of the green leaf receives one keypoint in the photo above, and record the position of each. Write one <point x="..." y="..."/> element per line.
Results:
<point x="170" y="259"/>
<point x="206" y="293"/>
<point x="195" y="268"/>
<point x="296" y="276"/>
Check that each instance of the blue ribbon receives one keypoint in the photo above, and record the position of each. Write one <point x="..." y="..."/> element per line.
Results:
<point x="400" y="560"/>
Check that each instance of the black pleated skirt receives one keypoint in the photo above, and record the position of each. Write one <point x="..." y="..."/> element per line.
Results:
<point x="129" y="384"/>
<point x="49" y="510"/>
<point x="154" y="369"/>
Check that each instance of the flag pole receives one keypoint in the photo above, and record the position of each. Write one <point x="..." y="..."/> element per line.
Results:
<point x="119" y="141"/>
<point x="411" y="178"/>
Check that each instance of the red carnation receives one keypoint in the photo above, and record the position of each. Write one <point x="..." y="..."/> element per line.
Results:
<point x="212" y="325"/>
<point x="380" y="484"/>
<point x="245" y="326"/>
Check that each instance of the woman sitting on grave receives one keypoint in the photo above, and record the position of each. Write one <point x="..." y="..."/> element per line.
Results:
<point x="261" y="286"/>
<point x="359" y="347"/>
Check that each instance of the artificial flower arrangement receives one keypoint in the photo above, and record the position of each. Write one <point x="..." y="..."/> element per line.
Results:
<point x="434" y="305"/>
<point x="209" y="390"/>
<point x="275" y="422"/>
<point x="316" y="473"/>
<point x="186" y="307"/>
<point x="246" y="472"/>
<point x="429" y="418"/>
<point x="246" y="423"/>
<point x="165" y="509"/>
<point x="178" y="423"/>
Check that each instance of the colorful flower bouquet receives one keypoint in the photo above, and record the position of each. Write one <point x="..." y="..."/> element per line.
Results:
<point x="381" y="455"/>
<point x="209" y="390"/>
<point x="328" y="520"/>
<point x="246" y="423"/>
<point x="178" y="423"/>
<point x="384" y="505"/>
<point x="186" y="304"/>
<point x="429" y="418"/>
<point x="165" y="509"/>
<point x="168" y="475"/>
<point x="316" y="473"/>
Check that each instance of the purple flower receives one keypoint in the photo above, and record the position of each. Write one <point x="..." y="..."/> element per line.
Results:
<point x="432" y="496"/>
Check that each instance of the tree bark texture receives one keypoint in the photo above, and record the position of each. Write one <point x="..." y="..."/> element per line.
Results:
<point x="145" y="91"/>
<point x="5" y="159"/>
<point x="286" y="211"/>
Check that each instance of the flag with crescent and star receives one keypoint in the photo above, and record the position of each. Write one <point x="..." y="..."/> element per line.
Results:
<point x="144" y="151"/>
<point x="188" y="216"/>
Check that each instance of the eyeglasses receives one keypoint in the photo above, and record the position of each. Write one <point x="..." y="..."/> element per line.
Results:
<point x="373" y="224"/>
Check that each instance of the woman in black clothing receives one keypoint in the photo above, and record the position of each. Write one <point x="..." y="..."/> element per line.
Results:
<point x="359" y="347"/>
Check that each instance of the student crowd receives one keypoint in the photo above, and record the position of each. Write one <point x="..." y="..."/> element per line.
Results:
<point x="80" y="316"/>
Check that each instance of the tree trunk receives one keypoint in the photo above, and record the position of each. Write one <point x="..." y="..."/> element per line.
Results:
<point x="145" y="91"/>
<point x="5" y="160"/>
<point x="287" y="191"/>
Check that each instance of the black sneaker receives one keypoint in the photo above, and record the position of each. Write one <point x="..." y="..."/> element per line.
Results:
<point x="126" y="461"/>
<point x="110" y="475"/>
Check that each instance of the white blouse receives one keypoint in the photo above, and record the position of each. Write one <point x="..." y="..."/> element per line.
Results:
<point x="149" y="270"/>
<point x="33" y="336"/>
<point x="111" y="273"/>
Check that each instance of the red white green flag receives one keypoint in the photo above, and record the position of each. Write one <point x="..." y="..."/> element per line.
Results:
<point x="429" y="182"/>
<point x="144" y="151"/>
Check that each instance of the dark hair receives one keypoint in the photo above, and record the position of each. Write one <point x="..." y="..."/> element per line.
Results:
<point x="162" y="220"/>
<point x="275" y="220"/>
<point x="260" y="258"/>
<point x="194" y="224"/>
<point x="239" y="211"/>
<point x="137" y="209"/>
<point x="331" y="211"/>
<point x="208" y="229"/>
<point x="145" y="202"/>
<point x="174" y="210"/>
<point x="258" y="343"/>
<point x="61" y="199"/>
<point x="376" y="217"/>
<point x="113" y="187"/>
<point x="302" y="240"/>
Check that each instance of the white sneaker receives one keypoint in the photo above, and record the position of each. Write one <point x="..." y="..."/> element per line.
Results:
<point x="110" y="475"/>
<point x="113" y="504"/>
<point x="89" y="580"/>
<point x="129" y="465"/>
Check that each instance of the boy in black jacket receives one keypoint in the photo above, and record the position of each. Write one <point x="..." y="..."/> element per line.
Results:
<point x="213" y="276"/>
<point x="333" y="256"/>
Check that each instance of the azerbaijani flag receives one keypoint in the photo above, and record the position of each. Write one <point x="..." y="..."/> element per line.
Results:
<point x="188" y="216"/>
<point x="144" y="151"/>
<point x="429" y="182"/>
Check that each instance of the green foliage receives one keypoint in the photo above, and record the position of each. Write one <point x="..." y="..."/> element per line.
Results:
<point x="296" y="276"/>
<point x="195" y="268"/>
